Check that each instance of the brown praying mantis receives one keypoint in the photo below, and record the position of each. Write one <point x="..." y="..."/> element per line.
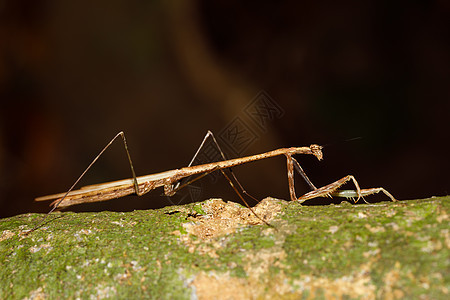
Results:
<point x="171" y="180"/>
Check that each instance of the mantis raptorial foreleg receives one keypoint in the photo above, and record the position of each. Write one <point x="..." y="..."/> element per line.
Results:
<point x="330" y="189"/>
<point x="364" y="192"/>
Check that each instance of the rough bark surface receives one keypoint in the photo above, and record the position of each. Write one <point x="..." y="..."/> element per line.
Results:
<point x="217" y="249"/>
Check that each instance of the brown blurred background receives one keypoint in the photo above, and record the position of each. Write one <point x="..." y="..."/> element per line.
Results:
<point x="74" y="73"/>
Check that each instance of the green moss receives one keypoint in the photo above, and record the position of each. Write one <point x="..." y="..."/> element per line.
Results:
<point x="198" y="209"/>
<point x="400" y="247"/>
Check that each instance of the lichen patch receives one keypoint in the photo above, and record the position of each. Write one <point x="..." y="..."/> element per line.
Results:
<point x="213" y="285"/>
<point x="104" y="292"/>
<point x="6" y="234"/>
<point x="357" y="285"/>
<point x="258" y="263"/>
<point x="37" y="294"/>
<point x="37" y="248"/>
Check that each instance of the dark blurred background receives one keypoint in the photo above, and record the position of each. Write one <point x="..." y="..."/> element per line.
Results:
<point x="291" y="73"/>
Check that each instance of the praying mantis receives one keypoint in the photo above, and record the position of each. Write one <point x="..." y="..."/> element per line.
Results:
<point x="171" y="180"/>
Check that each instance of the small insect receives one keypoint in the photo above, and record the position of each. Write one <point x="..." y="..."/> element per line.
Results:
<point x="171" y="180"/>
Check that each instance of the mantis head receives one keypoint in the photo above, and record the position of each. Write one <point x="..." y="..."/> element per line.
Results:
<point x="317" y="151"/>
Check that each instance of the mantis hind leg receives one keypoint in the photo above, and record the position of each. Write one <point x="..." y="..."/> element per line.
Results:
<point x="57" y="202"/>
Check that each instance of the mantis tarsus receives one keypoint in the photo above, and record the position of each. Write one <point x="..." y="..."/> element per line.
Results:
<point x="170" y="180"/>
